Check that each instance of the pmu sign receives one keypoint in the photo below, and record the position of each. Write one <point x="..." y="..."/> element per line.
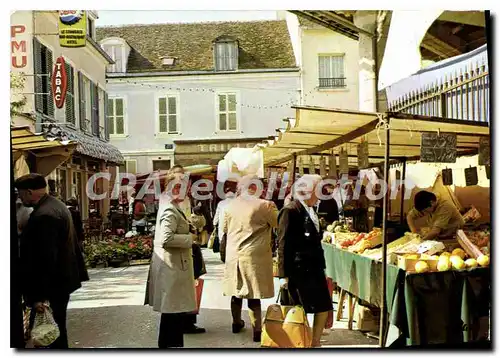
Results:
<point x="59" y="82"/>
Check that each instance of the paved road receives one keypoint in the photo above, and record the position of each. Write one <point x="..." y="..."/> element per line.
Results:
<point x="108" y="312"/>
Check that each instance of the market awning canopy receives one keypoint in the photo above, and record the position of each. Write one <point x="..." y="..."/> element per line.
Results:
<point x="50" y="151"/>
<point x="315" y="131"/>
<point x="24" y="139"/>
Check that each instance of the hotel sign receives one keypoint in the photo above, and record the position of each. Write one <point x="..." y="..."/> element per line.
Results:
<point x="72" y="28"/>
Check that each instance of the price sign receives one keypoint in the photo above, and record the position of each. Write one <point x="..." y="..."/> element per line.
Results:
<point x="438" y="148"/>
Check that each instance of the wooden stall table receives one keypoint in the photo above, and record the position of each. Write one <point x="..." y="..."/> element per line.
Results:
<point x="428" y="308"/>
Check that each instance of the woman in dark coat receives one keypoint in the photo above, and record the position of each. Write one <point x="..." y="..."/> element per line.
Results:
<point x="301" y="263"/>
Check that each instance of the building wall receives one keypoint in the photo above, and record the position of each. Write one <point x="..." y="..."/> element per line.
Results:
<point x="44" y="26"/>
<point x="262" y="104"/>
<point x="316" y="41"/>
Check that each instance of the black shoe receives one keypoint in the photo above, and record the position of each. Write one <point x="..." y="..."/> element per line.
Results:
<point x="194" y="329"/>
<point x="237" y="327"/>
<point x="256" y="336"/>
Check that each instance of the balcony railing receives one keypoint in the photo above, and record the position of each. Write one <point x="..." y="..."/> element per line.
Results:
<point x="464" y="96"/>
<point x="332" y="83"/>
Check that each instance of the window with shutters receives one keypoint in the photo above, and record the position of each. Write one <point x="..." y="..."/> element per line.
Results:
<point x="131" y="166"/>
<point x="226" y="55"/>
<point x="94" y="105"/>
<point x="117" y="53"/>
<point x="331" y="71"/>
<point x="168" y="114"/>
<point x="43" y="62"/>
<point x="70" y="95"/>
<point x="227" y="112"/>
<point x="85" y="105"/>
<point x="116" y="116"/>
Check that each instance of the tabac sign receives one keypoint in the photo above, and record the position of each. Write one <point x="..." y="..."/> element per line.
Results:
<point x="59" y="82"/>
<point x="72" y="28"/>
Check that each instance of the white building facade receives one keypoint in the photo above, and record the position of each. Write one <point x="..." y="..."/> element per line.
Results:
<point x="328" y="61"/>
<point x="170" y="102"/>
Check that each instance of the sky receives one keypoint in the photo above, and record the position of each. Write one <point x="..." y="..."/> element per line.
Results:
<point x="124" y="17"/>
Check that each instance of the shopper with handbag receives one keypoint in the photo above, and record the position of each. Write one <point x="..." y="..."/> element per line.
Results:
<point x="301" y="264"/>
<point x="49" y="263"/>
<point x="249" y="268"/>
<point x="171" y="286"/>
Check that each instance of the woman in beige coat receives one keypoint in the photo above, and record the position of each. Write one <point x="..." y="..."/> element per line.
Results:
<point x="249" y="267"/>
<point x="171" y="289"/>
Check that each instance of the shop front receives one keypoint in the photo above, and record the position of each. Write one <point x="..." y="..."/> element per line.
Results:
<point x="425" y="291"/>
<point x="208" y="151"/>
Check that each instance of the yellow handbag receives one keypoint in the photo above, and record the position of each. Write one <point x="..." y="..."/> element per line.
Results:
<point x="286" y="327"/>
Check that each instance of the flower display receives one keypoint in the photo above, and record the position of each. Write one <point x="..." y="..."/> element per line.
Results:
<point x="116" y="249"/>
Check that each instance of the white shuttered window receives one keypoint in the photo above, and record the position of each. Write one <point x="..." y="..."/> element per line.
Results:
<point x="227" y="112"/>
<point x="167" y="114"/>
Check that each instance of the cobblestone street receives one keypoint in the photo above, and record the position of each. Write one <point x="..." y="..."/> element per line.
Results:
<point x="108" y="312"/>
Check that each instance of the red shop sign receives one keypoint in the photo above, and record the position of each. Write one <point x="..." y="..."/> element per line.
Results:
<point x="59" y="82"/>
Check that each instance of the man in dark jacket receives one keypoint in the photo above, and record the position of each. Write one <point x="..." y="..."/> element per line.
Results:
<point x="49" y="261"/>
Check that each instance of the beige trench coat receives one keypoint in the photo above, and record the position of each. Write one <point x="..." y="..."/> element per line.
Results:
<point x="249" y="266"/>
<point x="171" y="287"/>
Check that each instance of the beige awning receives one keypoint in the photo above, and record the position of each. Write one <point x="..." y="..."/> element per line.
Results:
<point x="316" y="131"/>
<point x="50" y="153"/>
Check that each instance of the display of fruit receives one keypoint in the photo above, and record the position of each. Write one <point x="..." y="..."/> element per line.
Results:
<point x="459" y="252"/>
<point x="444" y="263"/>
<point x="421" y="266"/>
<point x="447" y="254"/>
<point x="457" y="262"/>
<point x="471" y="263"/>
<point x="483" y="260"/>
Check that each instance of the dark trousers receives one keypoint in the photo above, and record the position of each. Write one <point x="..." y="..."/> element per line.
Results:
<point x="59" y="306"/>
<point x="189" y="320"/>
<point x="171" y="332"/>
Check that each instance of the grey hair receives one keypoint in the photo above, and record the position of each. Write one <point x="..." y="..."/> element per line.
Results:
<point x="306" y="185"/>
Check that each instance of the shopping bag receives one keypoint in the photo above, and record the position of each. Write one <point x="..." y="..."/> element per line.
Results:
<point x="211" y="239"/>
<point x="329" y="320"/>
<point x="26" y="322"/>
<point x="199" y="291"/>
<point x="286" y="327"/>
<point x="45" y="330"/>
<point x="275" y="267"/>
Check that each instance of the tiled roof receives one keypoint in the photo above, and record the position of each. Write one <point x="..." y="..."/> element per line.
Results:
<point x="88" y="145"/>
<point x="262" y="44"/>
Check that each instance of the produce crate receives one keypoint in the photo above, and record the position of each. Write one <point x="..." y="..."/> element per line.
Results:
<point x="408" y="264"/>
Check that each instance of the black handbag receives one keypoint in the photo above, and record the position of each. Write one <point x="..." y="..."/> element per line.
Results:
<point x="223" y="244"/>
<point x="198" y="262"/>
<point x="216" y="245"/>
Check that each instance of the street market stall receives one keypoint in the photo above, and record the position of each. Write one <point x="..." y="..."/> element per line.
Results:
<point x="423" y="303"/>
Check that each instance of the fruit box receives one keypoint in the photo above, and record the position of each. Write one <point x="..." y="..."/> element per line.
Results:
<point x="408" y="264"/>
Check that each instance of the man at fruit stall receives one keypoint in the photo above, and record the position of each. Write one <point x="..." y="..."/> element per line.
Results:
<point x="443" y="218"/>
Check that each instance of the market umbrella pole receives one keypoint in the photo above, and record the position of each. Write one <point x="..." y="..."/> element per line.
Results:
<point x="403" y="189"/>
<point x="383" y="310"/>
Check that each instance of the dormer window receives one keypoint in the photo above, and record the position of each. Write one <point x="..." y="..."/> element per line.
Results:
<point x="226" y="54"/>
<point x="116" y="53"/>
<point x="118" y="50"/>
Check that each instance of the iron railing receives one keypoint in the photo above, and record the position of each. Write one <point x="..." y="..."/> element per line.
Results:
<point x="332" y="83"/>
<point x="464" y="95"/>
